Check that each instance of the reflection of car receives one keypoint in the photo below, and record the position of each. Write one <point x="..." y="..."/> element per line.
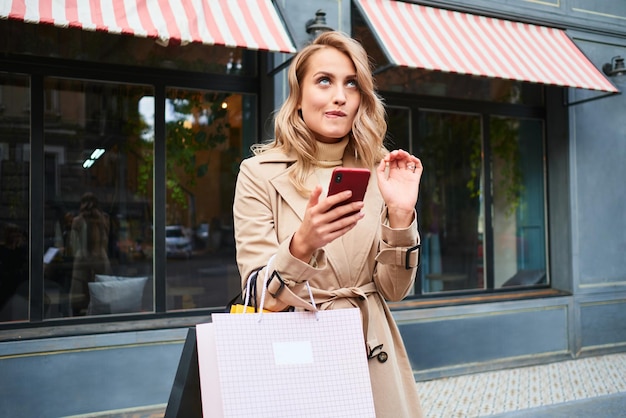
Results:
<point x="202" y="235"/>
<point x="177" y="242"/>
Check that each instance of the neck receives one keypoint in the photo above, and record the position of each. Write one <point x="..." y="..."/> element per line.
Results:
<point x="331" y="155"/>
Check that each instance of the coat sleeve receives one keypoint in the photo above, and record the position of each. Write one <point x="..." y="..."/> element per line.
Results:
<point x="394" y="278"/>
<point x="256" y="239"/>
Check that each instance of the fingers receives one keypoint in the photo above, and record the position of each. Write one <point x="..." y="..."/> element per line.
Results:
<point x="400" y="159"/>
<point x="315" y="196"/>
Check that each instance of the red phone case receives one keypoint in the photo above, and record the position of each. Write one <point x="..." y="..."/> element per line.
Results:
<point x="346" y="178"/>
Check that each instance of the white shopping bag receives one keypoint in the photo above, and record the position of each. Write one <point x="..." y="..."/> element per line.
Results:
<point x="284" y="364"/>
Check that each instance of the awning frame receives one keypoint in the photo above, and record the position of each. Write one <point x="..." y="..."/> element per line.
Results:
<point x="567" y="103"/>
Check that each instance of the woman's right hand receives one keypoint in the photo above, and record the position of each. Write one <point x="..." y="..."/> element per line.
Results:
<point x="322" y="225"/>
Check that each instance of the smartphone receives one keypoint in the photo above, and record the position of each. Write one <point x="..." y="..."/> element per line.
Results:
<point x="347" y="178"/>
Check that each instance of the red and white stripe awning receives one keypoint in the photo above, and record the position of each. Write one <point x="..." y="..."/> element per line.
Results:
<point x="436" y="39"/>
<point x="252" y="24"/>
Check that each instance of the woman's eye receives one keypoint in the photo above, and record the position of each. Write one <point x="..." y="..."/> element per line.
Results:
<point x="352" y="83"/>
<point x="323" y="80"/>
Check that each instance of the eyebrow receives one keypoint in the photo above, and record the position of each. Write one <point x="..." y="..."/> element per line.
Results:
<point x="333" y="75"/>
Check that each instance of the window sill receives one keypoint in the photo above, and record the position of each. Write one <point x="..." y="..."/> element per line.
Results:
<point x="455" y="300"/>
<point x="98" y="325"/>
<point x="57" y="329"/>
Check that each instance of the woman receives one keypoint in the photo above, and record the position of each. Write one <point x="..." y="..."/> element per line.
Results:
<point x="332" y="118"/>
<point x="90" y="242"/>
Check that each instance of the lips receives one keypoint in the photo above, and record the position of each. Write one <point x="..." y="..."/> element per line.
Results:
<point x="336" y="113"/>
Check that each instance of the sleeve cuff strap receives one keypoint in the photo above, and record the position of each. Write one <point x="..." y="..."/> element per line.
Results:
<point x="405" y="257"/>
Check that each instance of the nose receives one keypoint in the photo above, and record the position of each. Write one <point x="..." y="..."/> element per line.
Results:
<point x="340" y="96"/>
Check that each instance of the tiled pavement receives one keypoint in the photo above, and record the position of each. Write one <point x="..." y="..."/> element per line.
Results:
<point x="587" y="387"/>
<point x="532" y="391"/>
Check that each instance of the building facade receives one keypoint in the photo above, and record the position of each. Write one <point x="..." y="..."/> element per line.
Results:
<point x="120" y="139"/>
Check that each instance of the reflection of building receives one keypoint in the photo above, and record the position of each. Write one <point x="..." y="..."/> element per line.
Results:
<point x="522" y="256"/>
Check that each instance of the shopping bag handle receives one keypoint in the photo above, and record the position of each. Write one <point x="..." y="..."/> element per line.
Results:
<point x="264" y="292"/>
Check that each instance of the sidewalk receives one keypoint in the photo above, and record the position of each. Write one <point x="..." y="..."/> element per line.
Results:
<point x="588" y="387"/>
<point x="609" y="406"/>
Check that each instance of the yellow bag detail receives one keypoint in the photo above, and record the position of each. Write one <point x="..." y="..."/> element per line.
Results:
<point x="238" y="309"/>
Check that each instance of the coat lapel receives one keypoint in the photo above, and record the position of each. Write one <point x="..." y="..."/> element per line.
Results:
<point x="280" y="165"/>
<point x="285" y="189"/>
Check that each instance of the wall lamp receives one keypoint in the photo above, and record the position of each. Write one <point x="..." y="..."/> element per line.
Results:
<point x="316" y="26"/>
<point x="615" y="67"/>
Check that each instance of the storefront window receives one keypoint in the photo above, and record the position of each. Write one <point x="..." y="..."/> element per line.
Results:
<point x="458" y="212"/>
<point x="205" y="133"/>
<point x="98" y="206"/>
<point x="117" y="181"/>
<point x="14" y="197"/>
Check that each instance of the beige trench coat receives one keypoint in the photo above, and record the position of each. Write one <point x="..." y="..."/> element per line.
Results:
<point x="267" y="212"/>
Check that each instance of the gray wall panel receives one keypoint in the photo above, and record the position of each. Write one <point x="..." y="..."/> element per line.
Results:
<point x="603" y="323"/>
<point x="477" y="339"/>
<point x="597" y="155"/>
<point x="79" y="382"/>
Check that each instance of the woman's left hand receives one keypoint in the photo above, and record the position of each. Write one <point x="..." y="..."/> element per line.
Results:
<point x="399" y="186"/>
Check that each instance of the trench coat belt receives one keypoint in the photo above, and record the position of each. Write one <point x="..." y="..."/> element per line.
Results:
<point x="357" y="297"/>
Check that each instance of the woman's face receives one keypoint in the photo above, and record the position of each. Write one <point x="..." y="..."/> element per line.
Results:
<point x="330" y="95"/>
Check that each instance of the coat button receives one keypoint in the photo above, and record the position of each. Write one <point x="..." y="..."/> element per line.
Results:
<point x="382" y="356"/>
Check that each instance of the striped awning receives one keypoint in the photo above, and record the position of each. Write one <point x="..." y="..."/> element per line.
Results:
<point x="436" y="39"/>
<point x="252" y="24"/>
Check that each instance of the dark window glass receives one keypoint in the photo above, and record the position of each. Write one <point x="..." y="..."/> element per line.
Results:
<point x="437" y="83"/>
<point x="88" y="46"/>
<point x="14" y="196"/>
<point x="98" y="199"/>
<point x="450" y="211"/>
<point x="518" y="206"/>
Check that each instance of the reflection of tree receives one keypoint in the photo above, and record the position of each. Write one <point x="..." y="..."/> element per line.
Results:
<point x="198" y="123"/>
<point x="506" y="156"/>
<point x="449" y="149"/>
<point x="507" y="174"/>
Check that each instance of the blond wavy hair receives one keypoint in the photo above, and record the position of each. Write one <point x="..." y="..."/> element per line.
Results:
<point x="292" y="135"/>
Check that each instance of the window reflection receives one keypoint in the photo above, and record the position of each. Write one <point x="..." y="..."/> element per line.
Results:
<point x="98" y="210"/>
<point x="204" y="141"/>
<point x="14" y="197"/>
<point x="518" y="202"/>
<point x="453" y="217"/>
<point x="450" y="144"/>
